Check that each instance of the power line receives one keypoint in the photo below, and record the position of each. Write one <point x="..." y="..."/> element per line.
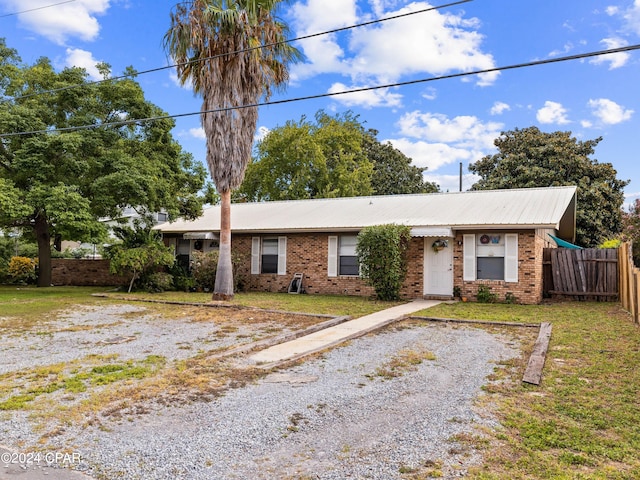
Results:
<point x="246" y="50"/>
<point x="35" y="8"/>
<point x="121" y="123"/>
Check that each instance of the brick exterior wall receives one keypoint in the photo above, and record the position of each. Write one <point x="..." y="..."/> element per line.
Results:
<point x="528" y="289"/>
<point x="80" y="272"/>
<point x="308" y="254"/>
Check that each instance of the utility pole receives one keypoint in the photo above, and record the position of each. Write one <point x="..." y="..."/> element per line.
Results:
<point x="460" y="176"/>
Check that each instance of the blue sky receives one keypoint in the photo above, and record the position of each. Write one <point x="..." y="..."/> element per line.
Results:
<point x="439" y="124"/>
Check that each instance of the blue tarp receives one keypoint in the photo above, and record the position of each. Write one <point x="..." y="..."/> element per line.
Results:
<point x="563" y="243"/>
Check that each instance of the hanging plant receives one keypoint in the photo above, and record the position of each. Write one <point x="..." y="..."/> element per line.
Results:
<point x="439" y="245"/>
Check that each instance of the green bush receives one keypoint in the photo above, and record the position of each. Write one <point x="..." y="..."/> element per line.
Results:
<point x="140" y="262"/>
<point x="485" y="295"/>
<point x="157" y="282"/>
<point x="203" y="268"/>
<point x="381" y="252"/>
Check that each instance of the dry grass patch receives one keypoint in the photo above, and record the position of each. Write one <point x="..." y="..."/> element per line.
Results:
<point x="95" y="389"/>
<point x="405" y="360"/>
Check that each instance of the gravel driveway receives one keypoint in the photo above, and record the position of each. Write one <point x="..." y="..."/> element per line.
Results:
<point x="331" y="417"/>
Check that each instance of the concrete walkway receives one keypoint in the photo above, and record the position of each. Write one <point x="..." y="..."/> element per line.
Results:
<point x="329" y="337"/>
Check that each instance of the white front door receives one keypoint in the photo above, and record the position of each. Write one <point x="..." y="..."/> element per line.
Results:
<point x="438" y="267"/>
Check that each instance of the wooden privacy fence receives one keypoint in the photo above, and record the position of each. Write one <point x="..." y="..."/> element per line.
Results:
<point x="583" y="274"/>
<point x="629" y="282"/>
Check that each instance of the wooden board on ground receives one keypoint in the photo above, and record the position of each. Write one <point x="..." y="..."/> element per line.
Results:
<point x="533" y="373"/>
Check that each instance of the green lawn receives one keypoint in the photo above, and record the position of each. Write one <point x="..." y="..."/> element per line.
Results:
<point x="321" y="304"/>
<point x="583" y="421"/>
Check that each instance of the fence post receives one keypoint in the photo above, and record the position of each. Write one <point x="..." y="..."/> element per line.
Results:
<point x="633" y="285"/>
<point x="623" y="275"/>
<point x="636" y="316"/>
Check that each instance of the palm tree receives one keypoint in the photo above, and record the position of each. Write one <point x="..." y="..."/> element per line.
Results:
<point x="234" y="53"/>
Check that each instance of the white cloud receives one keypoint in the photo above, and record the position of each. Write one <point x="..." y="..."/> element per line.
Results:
<point x="430" y="93"/>
<point x="463" y="131"/>
<point x="261" y="133"/>
<point x="431" y="44"/>
<point x="615" y="60"/>
<point x="451" y="183"/>
<point x="324" y="54"/>
<point x="68" y="20"/>
<point x="552" y="112"/>
<point x="631" y="17"/>
<point x="499" y="108"/>
<point x="197" y="133"/>
<point x="432" y="155"/>
<point x="366" y="99"/>
<point x="564" y="51"/>
<point x="609" y="112"/>
<point x="83" y="59"/>
<point x="434" y="140"/>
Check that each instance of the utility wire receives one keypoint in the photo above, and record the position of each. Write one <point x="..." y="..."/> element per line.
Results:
<point x="246" y="50"/>
<point x="580" y="56"/>
<point x="36" y="8"/>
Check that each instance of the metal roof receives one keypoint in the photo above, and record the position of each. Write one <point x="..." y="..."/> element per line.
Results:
<point x="552" y="207"/>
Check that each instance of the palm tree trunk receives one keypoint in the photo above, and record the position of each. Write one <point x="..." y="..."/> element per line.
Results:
<point x="223" y="288"/>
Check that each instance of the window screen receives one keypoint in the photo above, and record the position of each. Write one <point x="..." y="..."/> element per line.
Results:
<point x="348" y="261"/>
<point x="270" y="255"/>
<point x="490" y="268"/>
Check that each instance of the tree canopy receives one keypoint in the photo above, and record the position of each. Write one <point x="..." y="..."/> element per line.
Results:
<point x="63" y="180"/>
<point x="333" y="156"/>
<point x="531" y="158"/>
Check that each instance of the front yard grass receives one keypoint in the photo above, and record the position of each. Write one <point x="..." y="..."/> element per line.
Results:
<point x="582" y="422"/>
<point x="317" y="304"/>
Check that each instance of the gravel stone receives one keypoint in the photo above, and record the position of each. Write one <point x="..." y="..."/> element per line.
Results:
<point x="331" y="417"/>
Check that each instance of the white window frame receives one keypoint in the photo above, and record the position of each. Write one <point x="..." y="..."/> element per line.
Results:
<point x="510" y="257"/>
<point x="256" y="255"/>
<point x="333" y="257"/>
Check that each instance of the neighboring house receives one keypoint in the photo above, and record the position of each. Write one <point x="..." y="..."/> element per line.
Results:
<point x="128" y="218"/>
<point x="488" y="237"/>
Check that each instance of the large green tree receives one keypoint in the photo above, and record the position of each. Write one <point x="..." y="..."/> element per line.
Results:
<point x="308" y="159"/>
<point x="63" y="180"/>
<point x="233" y="53"/>
<point x="333" y="156"/>
<point x="531" y="158"/>
<point x="393" y="171"/>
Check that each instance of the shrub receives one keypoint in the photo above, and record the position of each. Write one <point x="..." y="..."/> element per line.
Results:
<point x="381" y="252"/>
<point x="157" y="282"/>
<point x="141" y="262"/>
<point x="485" y="295"/>
<point x="613" y="243"/>
<point x="510" y="298"/>
<point x="22" y="269"/>
<point x="203" y="268"/>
